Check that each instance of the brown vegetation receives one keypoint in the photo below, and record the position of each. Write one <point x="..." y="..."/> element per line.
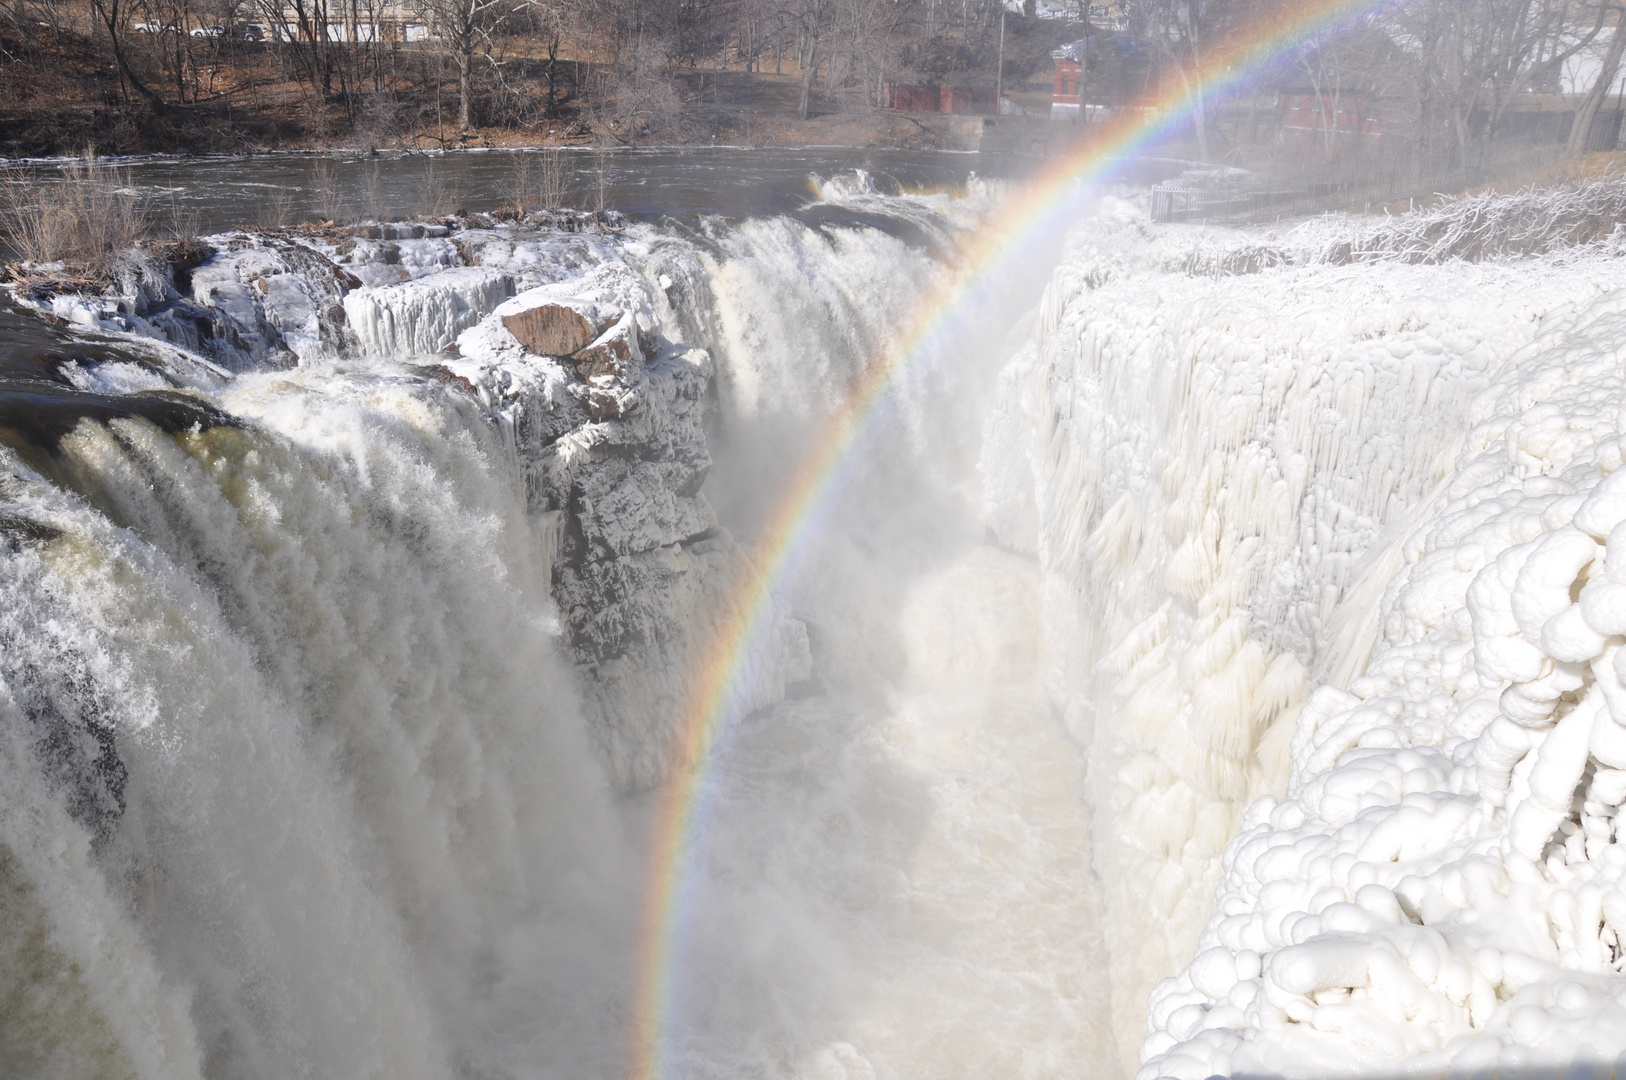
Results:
<point x="84" y="219"/>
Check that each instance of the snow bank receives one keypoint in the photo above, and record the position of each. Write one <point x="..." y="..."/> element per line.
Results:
<point x="1216" y="474"/>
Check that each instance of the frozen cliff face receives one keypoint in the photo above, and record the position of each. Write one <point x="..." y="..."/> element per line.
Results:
<point x="1216" y="473"/>
<point x="611" y="429"/>
<point x="1440" y="889"/>
<point x="422" y="316"/>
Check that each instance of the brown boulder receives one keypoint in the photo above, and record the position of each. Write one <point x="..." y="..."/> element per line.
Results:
<point x="552" y="329"/>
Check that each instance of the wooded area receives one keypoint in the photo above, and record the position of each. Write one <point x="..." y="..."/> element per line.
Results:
<point x="125" y="75"/>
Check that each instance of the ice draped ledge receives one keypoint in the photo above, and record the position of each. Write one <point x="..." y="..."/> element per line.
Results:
<point x="1248" y="488"/>
<point x="566" y="347"/>
<point x="1407" y="481"/>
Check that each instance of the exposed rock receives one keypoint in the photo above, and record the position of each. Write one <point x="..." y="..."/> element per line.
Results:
<point x="614" y="440"/>
<point x="552" y="329"/>
<point x="442" y="374"/>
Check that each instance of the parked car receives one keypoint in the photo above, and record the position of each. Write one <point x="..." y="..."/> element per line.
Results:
<point x="248" y="32"/>
<point x="153" y="28"/>
<point x="208" y="31"/>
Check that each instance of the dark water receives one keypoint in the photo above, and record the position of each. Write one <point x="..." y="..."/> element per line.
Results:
<point x="218" y="193"/>
<point x="38" y="405"/>
<point x="211" y="194"/>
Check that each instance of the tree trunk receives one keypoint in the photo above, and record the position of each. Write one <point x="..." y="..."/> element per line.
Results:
<point x="465" y="62"/>
<point x="1200" y="116"/>
<point x="808" y="70"/>
<point x="1581" y="130"/>
<point x="109" y="14"/>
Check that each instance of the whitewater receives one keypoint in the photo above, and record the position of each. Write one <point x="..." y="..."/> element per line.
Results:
<point x="1209" y="665"/>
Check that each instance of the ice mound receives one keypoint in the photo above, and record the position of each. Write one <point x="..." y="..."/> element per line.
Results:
<point x="1441" y="890"/>
<point x="274" y="295"/>
<point x="422" y="316"/>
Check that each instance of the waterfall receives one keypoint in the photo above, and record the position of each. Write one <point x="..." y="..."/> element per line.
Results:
<point x="331" y="697"/>
<point x="354" y="584"/>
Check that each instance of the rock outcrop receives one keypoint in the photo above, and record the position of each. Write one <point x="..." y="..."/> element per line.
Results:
<point x="612" y="430"/>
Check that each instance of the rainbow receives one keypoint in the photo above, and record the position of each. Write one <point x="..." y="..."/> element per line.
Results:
<point x="1045" y="207"/>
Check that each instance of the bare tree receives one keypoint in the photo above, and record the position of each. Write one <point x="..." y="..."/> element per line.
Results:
<point x="1487" y="52"/>
<point x="1580" y="139"/>
<point x="467" y="29"/>
<point x="112" y="15"/>
<point x="809" y="17"/>
<point x="1183" y="31"/>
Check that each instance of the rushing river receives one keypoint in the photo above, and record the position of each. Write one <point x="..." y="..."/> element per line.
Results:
<point x="221" y="193"/>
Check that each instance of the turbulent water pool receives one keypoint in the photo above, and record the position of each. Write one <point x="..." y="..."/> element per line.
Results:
<point x="1185" y="666"/>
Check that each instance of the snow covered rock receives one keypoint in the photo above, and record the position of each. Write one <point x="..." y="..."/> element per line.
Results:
<point x="610" y="420"/>
<point x="277" y="296"/>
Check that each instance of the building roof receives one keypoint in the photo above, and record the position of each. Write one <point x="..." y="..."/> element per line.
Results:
<point x="1073" y="50"/>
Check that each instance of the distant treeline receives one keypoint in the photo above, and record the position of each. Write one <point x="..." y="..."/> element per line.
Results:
<point x="1444" y="73"/>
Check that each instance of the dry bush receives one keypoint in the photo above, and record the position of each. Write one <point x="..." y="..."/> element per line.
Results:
<point x="441" y="194"/>
<point x="83" y="217"/>
<point x="327" y="198"/>
<point x="643" y="102"/>
<point x="540" y="181"/>
<point x="276" y="210"/>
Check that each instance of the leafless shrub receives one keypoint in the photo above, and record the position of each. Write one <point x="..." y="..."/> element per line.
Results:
<point x="83" y="218"/>
<point x="1209" y="261"/>
<point x="539" y="182"/>
<point x="1474" y="228"/>
<point x="327" y="198"/>
<point x="644" y="105"/>
<point x="1581" y="217"/>
<point x="380" y="120"/>
<point x="601" y="190"/>
<point x="372" y="195"/>
<point x="277" y="211"/>
<point x="169" y="220"/>
<point x="440" y="193"/>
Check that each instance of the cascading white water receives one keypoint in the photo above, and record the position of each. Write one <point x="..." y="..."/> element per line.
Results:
<point x="363" y="831"/>
<point x="325" y="647"/>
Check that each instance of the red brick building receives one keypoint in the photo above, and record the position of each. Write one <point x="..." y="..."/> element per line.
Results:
<point x="970" y="100"/>
<point x="1346" y="114"/>
<point x="1067" y="97"/>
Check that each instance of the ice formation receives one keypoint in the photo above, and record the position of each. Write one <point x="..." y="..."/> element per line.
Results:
<point x="1288" y="465"/>
<point x="1437" y="890"/>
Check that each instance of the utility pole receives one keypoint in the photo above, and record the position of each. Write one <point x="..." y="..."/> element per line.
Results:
<point x="999" y="75"/>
